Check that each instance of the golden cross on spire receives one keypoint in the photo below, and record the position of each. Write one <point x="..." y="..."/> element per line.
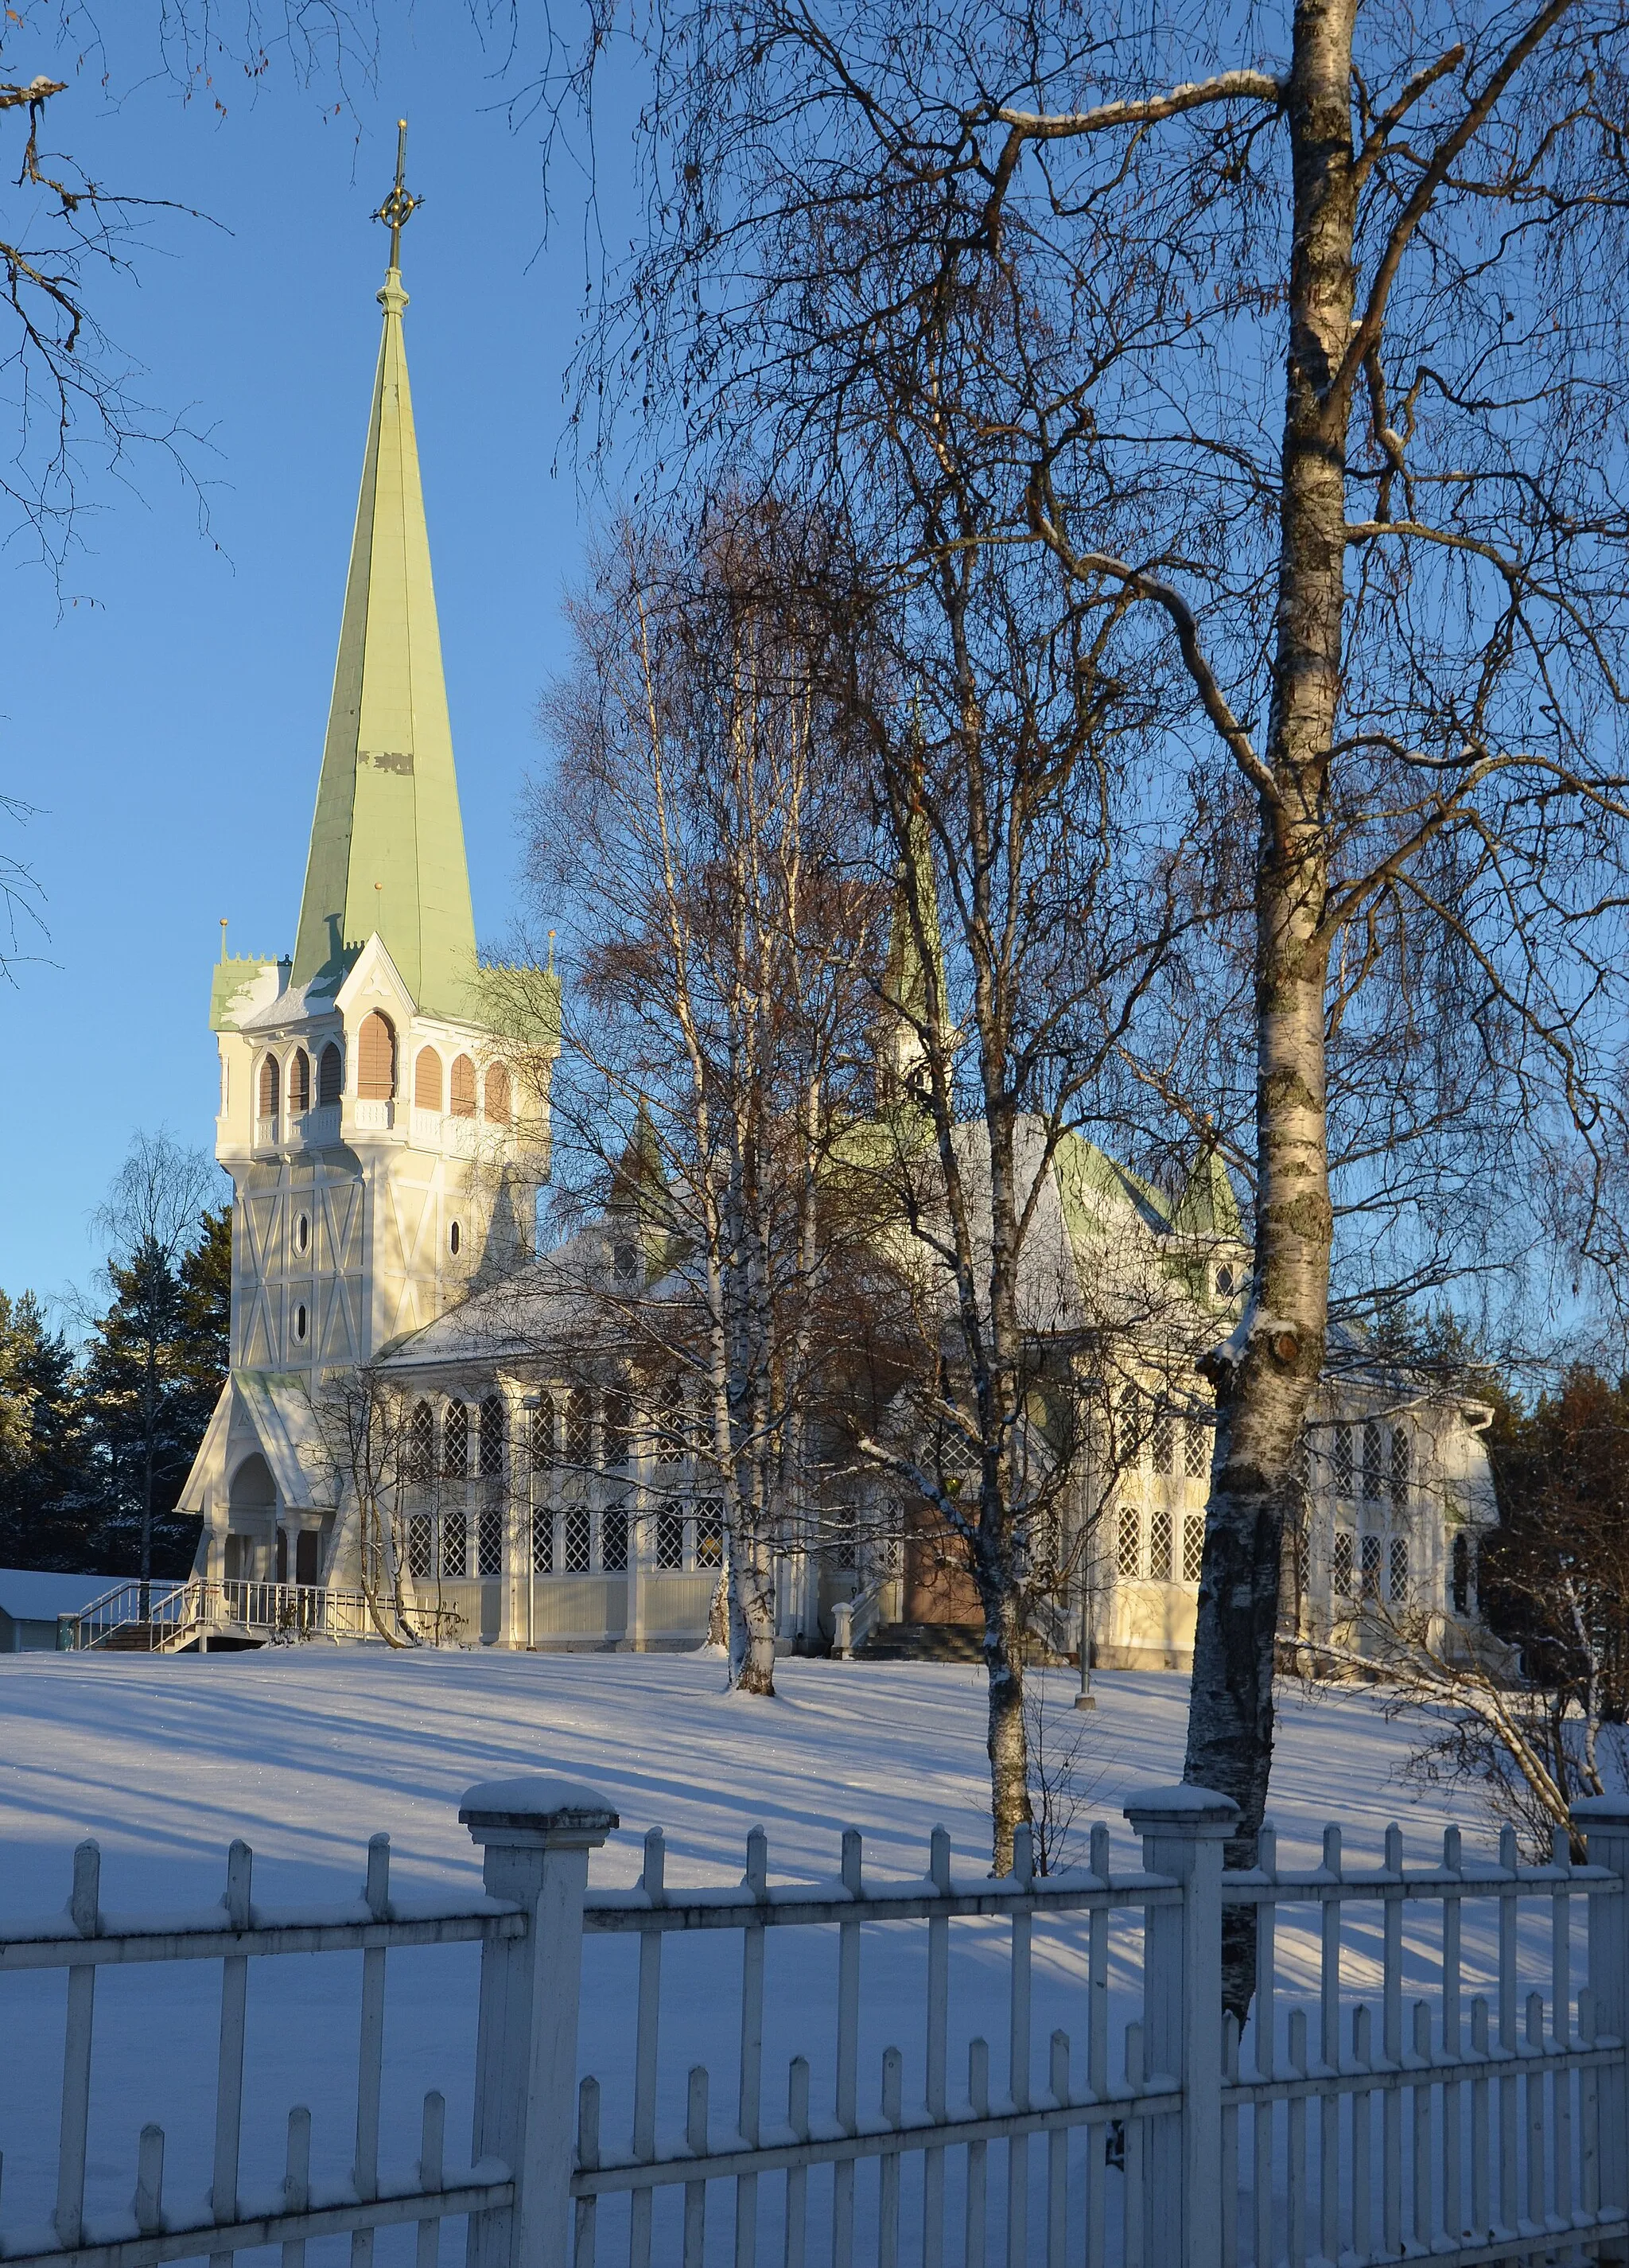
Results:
<point x="401" y="205"/>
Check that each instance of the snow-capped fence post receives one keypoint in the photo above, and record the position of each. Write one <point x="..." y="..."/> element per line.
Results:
<point x="1605" y="1821"/>
<point x="536" y="1835"/>
<point x="1183" y="1831"/>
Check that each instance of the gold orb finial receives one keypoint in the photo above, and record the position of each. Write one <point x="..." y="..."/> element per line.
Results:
<point x="401" y="205"/>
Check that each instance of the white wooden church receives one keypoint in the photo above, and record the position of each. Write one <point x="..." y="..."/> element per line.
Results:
<point x="387" y="1151"/>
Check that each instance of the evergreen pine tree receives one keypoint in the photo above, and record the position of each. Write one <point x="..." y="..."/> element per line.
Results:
<point x="152" y="1371"/>
<point x="47" y="1512"/>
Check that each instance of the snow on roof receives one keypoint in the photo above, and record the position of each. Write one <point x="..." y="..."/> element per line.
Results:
<point x="26" y="1595"/>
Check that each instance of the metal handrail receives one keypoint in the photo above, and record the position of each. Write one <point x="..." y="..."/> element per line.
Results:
<point x="176" y="1611"/>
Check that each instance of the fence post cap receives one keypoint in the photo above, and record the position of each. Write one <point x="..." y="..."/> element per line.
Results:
<point x="535" y="1810"/>
<point x="1601" y="1811"/>
<point x="1196" y="1811"/>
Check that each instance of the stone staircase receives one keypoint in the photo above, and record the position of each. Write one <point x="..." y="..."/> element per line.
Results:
<point x="939" y="1642"/>
<point x="924" y="1642"/>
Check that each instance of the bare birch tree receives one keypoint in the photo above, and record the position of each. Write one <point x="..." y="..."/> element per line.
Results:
<point x="1298" y="342"/>
<point x="367" y="1450"/>
<point x="702" y="829"/>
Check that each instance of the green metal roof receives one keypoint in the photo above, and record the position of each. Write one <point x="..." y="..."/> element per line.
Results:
<point x="387" y="841"/>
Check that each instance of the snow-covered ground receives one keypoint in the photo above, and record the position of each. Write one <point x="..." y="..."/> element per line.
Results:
<point x="306" y="1752"/>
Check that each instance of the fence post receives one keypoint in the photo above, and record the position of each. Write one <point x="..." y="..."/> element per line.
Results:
<point x="536" y="1835"/>
<point x="1183" y="1831"/>
<point x="1605" y="1821"/>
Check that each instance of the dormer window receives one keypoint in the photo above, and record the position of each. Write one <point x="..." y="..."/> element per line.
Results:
<point x="299" y="1083"/>
<point x="376" y="1059"/>
<point x="1224" y="1282"/>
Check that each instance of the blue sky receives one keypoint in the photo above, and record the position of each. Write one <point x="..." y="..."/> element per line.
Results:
<point x="168" y="723"/>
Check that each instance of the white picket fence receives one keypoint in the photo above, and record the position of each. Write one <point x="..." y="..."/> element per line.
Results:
<point x="1461" y="2127"/>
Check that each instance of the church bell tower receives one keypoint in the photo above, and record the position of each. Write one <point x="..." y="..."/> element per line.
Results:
<point x="384" y="1112"/>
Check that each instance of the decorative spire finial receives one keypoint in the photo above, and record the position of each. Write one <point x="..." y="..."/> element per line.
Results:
<point x="401" y="205"/>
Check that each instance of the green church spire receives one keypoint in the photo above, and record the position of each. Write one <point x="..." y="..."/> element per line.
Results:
<point x="387" y="841"/>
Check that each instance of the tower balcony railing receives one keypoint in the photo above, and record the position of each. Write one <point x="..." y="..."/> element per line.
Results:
<point x="318" y="1128"/>
<point x="371" y="1118"/>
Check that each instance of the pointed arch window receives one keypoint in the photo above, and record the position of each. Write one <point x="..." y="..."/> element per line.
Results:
<point x="618" y="1428"/>
<point x="330" y="1077"/>
<point x="455" y="1441"/>
<point x="421" y="1445"/>
<point x="463" y="1087"/>
<point x="299" y="1083"/>
<point x="427" y="1080"/>
<point x="376" y="1058"/>
<point x="270" y="1082"/>
<point x="492" y="1438"/>
<point x="498" y="1095"/>
<point x="579" y="1427"/>
<point x="1459" y="1591"/>
<point x="667" y="1422"/>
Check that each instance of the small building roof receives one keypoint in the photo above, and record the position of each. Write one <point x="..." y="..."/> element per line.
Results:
<point x="30" y="1597"/>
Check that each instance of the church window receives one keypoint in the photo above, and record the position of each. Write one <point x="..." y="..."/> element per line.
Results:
<point x="1132" y="1428"/>
<point x="614" y="1540"/>
<point x="1371" y="1462"/>
<point x="1341" y="1460"/>
<point x="1369" y="1566"/>
<point x="491" y="1440"/>
<point x="420" y="1561"/>
<point x="376" y="1058"/>
<point x="1196" y="1449"/>
<point x="1161" y="1440"/>
<point x="1399" y="1571"/>
<point x="543" y="1540"/>
<point x="543" y="1436"/>
<point x="1459" y="1590"/>
<point x="1399" y="1466"/>
<point x="299" y="1322"/>
<point x="670" y="1537"/>
<point x="489" y="1543"/>
<point x="709" y="1533"/>
<point x="1193" y="1547"/>
<point x="330" y="1077"/>
<point x="1128" y="1542"/>
<point x="455" y="1239"/>
<point x="463" y="1087"/>
<point x="668" y="1426"/>
<point x="299" y="1082"/>
<point x="1159" y="1545"/>
<point x="618" y="1426"/>
<point x="421" y="1443"/>
<point x="268" y="1081"/>
<point x="1341" y="1572"/>
<point x="455" y="1441"/>
<point x="498" y="1101"/>
<point x="302" y="1233"/>
<point x="427" y="1080"/>
<point x="454" y="1542"/>
<point x="578" y="1426"/>
<point x="579" y="1539"/>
